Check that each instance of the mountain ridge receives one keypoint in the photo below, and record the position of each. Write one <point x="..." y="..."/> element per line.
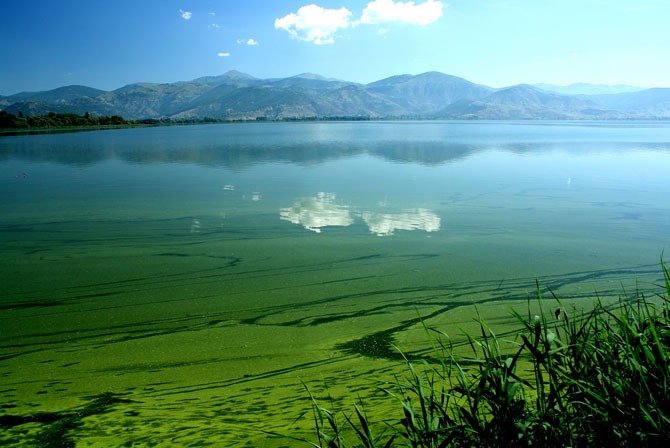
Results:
<point x="235" y="95"/>
<point x="582" y="88"/>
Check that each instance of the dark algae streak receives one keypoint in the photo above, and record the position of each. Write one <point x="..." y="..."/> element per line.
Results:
<point x="56" y="428"/>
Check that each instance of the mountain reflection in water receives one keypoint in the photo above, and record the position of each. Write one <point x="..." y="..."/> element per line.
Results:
<point x="242" y="146"/>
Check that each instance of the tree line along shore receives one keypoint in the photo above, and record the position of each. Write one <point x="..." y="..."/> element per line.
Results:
<point x="52" y="120"/>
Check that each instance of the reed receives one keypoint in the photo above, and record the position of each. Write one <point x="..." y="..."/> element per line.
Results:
<point x="571" y="378"/>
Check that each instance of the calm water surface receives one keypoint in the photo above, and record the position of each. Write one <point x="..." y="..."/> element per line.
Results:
<point x="178" y="283"/>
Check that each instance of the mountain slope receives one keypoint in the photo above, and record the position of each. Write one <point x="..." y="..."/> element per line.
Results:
<point x="251" y="102"/>
<point x="527" y="102"/>
<point x="21" y="96"/>
<point x="230" y="77"/>
<point x="65" y="94"/>
<point x="428" y="92"/>
<point x="74" y="99"/>
<point x="581" y="88"/>
<point x="78" y="106"/>
<point x="152" y="100"/>
<point x="308" y="81"/>
<point x="291" y="102"/>
<point x="645" y="103"/>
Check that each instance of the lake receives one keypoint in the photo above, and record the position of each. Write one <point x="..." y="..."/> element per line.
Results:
<point x="177" y="285"/>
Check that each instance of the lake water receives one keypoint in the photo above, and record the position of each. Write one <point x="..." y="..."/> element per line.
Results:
<point x="176" y="285"/>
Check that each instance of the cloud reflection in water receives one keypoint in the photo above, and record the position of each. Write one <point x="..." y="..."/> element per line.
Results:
<point x="321" y="211"/>
<point x="318" y="212"/>
<point x="384" y="224"/>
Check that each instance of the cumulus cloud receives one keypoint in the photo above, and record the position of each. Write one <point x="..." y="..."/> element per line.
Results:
<point x="185" y="14"/>
<point x="313" y="23"/>
<point x="381" y="11"/>
<point x="223" y="54"/>
<point x="247" y="41"/>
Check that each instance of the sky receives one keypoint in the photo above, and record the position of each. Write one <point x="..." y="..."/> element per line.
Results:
<point x="109" y="44"/>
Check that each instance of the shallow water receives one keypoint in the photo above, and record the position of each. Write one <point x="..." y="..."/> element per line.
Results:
<point x="179" y="283"/>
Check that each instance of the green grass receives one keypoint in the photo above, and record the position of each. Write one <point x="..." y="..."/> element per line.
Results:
<point x="571" y="378"/>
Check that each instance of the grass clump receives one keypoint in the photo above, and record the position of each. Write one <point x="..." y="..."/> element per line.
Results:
<point x="599" y="378"/>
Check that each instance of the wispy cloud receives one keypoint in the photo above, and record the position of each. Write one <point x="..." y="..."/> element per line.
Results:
<point x="313" y="23"/>
<point x="247" y="41"/>
<point x="383" y="30"/>
<point x="381" y="11"/>
<point x="211" y="13"/>
<point x="186" y="15"/>
<point x="223" y="54"/>
<point x="214" y="25"/>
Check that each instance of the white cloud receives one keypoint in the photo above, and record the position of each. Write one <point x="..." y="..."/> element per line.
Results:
<point x="223" y="54"/>
<point x="211" y="13"/>
<point x="380" y="11"/>
<point x="214" y="25"/>
<point x="247" y="41"/>
<point x="383" y="30"/>
<point x="315" y="24"/>
<point x="185" y="14"/>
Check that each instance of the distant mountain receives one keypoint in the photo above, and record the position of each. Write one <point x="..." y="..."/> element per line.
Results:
<point x="239" y="96"/>
<point x="527" y="102"/>
<point x="68" y="98"/>
<point x="19" y="96"/>
<point x="292" y="102"/>
<point x="29" y="108"/>
<point x="135" y="86"/>
<point x="78" y="106"/>
<point x="428" y="92"/>
<point x="230" y="77"/>
<point x="308" y="81"/>
<point x="581" y="88"/>
<point x="248" y="103"/>
<point x="65" y="94"/>
<point x="319" y="77"/>
<point x="153" y="100"/>
<point x="645" y="103"/>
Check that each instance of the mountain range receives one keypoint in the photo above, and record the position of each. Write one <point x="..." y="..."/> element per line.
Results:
<point x="240" y="96"/>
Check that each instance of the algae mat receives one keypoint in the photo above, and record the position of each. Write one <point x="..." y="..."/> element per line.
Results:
<point x="176" y="286"/>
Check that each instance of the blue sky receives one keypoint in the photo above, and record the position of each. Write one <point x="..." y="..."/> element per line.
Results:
<point x="47" y="44"/>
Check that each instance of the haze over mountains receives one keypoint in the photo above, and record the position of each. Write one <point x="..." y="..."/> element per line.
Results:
<point x="239" y="96"/>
